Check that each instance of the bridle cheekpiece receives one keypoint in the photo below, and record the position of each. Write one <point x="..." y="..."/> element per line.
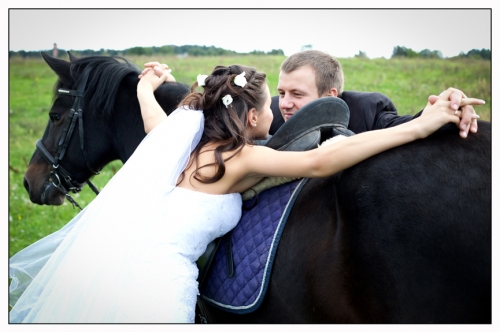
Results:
<point x="58" y="173"/>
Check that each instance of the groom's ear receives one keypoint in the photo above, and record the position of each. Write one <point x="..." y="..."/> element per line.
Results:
<point x="331" y="93"/>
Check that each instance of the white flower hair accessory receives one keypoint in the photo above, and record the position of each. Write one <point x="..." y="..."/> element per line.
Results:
<point x="201" y="79"/>
<point x="227" y="100"/>
<point x="240" y="80"/>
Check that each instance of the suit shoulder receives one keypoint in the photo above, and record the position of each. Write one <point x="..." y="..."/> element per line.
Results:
<point x="366" y="96"/>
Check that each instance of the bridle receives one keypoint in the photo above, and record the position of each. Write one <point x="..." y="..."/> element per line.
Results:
<point x="58" y="172"/>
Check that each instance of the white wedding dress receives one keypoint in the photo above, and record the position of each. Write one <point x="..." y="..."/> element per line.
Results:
<point x="129" y="256"/>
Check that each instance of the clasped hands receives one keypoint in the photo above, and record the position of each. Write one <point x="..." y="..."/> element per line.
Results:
<point x="466" y="113"/>
<point x="155" y="74"/>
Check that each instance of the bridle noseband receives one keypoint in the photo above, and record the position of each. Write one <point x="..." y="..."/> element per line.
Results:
<point x="58" y="173"/>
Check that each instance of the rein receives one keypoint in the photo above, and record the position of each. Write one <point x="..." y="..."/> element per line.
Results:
<point x="58" y="172"/>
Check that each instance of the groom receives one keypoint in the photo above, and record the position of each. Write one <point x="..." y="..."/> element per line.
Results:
<point x="312" y="74"/>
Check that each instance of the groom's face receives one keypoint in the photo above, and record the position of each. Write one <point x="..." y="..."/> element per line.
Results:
<point x="296" y="89"/>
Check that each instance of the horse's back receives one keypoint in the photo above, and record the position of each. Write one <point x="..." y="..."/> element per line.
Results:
<point x="417" y="230"/>
<point x="403" y="237"/>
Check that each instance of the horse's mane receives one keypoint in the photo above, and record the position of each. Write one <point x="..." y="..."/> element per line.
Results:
<point x="106" y="76"/>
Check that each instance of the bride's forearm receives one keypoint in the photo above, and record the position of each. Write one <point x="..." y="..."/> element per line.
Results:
<point x="151" y="111"/>
<point x="354" y="149"/>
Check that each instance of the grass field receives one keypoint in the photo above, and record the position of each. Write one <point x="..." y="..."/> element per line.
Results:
<point x="407" y="82"/>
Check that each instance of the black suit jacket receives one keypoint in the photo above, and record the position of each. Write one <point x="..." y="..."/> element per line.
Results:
<point x="369" y="111"/>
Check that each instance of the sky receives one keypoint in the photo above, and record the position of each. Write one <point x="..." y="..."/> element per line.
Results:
<point x="340" y="32"/>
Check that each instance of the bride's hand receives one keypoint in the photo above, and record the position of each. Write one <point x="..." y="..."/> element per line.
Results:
<point x="151" y="81"/>
<point x="159" y="69"/>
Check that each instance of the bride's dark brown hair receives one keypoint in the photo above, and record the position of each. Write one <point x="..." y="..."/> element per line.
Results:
<point x="225" y="125"/>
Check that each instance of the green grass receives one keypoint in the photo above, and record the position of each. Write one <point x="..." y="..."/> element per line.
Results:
<point x="407" y="82"/>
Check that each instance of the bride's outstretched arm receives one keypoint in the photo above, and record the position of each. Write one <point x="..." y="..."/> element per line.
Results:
<point x="352" y="150"/>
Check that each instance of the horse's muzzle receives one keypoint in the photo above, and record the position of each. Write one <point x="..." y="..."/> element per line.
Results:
<point x="44" y="193"/>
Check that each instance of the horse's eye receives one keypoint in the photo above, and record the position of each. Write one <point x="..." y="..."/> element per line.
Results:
<point x="54" y="117"/>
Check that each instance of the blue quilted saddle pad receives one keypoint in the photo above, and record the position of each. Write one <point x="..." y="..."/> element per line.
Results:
<point x="254" y="243"/>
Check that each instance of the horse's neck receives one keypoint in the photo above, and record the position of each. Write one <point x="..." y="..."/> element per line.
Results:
<point x="165" y="99"/>
<point x="129" y="139"/>
<point x="125" y="127"/>
<point x="129" y="126"/>
<point x="131" y="131"/>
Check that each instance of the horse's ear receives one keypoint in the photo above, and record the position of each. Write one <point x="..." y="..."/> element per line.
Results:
<point x="59" y="66"/>
<point x="72" y="57"/>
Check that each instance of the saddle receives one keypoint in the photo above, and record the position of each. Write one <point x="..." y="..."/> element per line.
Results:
<point x="316" y="122"/>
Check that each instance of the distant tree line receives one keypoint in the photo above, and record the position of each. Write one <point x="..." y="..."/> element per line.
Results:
<point x="196" y="50"/>
<point x="403" y="52"/>
<point x="184" y="50"/>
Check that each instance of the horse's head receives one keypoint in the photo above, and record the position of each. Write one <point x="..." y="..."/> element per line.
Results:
<point x="76" y="142"/>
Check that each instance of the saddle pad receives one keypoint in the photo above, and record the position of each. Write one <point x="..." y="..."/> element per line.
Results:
<point x="254" y="242"/>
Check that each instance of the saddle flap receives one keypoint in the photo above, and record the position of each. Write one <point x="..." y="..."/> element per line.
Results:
<point x="206" y="259"/>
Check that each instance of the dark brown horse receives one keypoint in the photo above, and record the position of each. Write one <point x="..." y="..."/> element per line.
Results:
<point x="403" y="237"/>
